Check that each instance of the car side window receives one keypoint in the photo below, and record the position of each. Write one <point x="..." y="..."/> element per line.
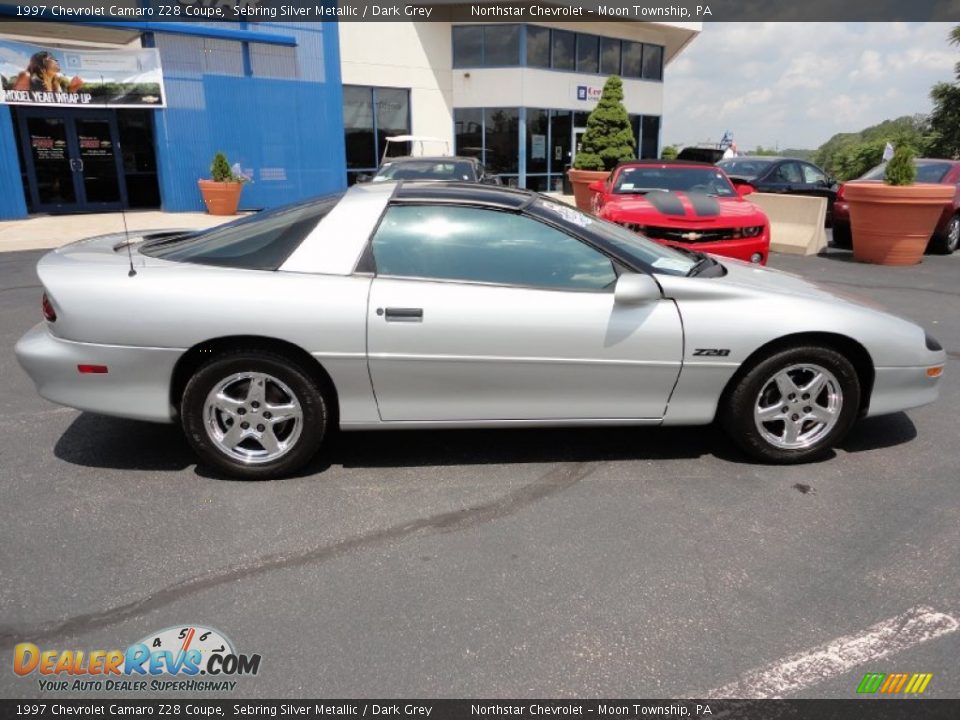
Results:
<point x="490" y="246"/>
<point x="788" y="173"/>
<point x="812" y="175"/>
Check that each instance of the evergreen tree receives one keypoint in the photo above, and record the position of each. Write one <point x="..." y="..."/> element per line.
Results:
<point x="609" y="137"/>
<point x="220" y="169"/>
<point x="901" y="170"/>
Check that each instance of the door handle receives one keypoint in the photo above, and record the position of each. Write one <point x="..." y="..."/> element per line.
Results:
<point x="397" y="314"/>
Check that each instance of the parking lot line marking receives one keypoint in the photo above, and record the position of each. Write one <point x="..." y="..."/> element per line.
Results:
<point x="796" y="672"/>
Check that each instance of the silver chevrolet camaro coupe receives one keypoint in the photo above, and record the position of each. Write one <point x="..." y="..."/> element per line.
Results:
<point x="435" y="305"/>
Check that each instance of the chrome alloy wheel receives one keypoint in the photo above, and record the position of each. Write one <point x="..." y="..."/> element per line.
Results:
<point x="953" y="234"/>
<point x="253" y="417"/>
<point x="798" y="406"/>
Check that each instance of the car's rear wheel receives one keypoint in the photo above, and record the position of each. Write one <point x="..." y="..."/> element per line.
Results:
<point x="794" y="405"/>
<point x="946" y="243"/>
<point x="254" y="414"/>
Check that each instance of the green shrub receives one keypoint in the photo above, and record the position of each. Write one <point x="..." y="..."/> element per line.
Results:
<point x="220" y="169"/>
<point x="901" y="170"/>
<point x="609" y="137"/>
<point x="669" y="153"/>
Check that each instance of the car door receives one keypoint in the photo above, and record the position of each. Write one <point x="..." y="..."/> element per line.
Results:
<point x="478" y="314"/>
<point x="817" y="183"/>
<point x="785" y="177"/>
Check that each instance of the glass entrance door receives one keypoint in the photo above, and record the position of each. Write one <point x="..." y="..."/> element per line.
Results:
<point x="99" y="169"/>
<point x="51" y="182"/>
<point x="578" y="134"/>
<point x="73" y="160"/>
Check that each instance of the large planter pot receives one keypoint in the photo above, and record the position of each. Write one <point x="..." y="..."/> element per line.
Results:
<point x="892" y="225"/>
<point x="581" y="179"/>
<point x="221" y="198"/>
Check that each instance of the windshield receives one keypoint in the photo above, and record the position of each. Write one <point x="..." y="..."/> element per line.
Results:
<point x="257" y="242"/>
<point x="744" y="168"/>
<point x="927" y="172"/>
<point x="644" y="179"/>
<point x="640" y="251"/>
<point x="426" y="170"/>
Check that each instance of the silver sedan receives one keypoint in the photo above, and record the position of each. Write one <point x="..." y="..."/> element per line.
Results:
<point x="434" y="305"/>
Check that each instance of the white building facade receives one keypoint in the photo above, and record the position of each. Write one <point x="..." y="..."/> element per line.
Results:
<point x="516" y="95"/>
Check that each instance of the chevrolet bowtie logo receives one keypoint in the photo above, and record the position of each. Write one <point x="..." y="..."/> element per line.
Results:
<point x="691" y="236"/>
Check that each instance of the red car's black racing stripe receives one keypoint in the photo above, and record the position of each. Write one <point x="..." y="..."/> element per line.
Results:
<point x="704" y="205"/>
<point x="668" y="203"/>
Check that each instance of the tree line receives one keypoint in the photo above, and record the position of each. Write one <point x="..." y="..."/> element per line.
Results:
<point x="849" y="155"/>
<point x="937" y="135"/>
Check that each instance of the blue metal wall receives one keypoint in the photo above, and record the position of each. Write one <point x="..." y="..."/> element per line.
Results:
<point x="12" y="204"/>
<point x="275" y="110"/>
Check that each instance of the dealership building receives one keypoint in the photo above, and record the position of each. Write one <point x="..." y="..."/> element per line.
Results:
<point x="304" y="108"/>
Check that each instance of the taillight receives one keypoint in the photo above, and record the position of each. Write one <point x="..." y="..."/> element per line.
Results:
<point x="48" y="312"/>
<point x="92" y="369"/>
<point x="840" y="192"/>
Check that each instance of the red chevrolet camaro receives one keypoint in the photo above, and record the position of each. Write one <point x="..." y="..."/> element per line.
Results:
<point x="684" y="204"/>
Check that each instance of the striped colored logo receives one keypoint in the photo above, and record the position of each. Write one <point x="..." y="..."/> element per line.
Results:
<point x="894" y="683"/>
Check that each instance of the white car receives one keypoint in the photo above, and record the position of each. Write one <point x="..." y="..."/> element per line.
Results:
<point x="436" y="305"/>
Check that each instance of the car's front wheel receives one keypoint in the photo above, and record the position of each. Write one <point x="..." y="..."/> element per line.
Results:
<point x="794" y="405"/>
<point x="254" y="414"/>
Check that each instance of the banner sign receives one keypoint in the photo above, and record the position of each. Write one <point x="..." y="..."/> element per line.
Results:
<point x="80" y="77"/>
<point x="193" y="705"/>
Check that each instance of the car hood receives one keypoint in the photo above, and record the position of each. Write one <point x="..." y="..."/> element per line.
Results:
<point x="681" y="209"/>
<point x="752" y="278"/>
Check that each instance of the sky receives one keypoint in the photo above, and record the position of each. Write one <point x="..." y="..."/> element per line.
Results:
<point x="794" y="85"/>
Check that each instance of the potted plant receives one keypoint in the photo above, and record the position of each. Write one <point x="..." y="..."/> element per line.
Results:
<point x="892" y="221"/>
<point x="607" y="141"/>
<point x="221" y="193"/>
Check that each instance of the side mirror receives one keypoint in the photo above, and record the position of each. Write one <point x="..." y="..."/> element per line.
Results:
<point x="364" y="178"/>
<point x="744" y="189"/>
<point x="597" y="186"/>
<point x="635" y="289"/>
<point x="492" y="180"/>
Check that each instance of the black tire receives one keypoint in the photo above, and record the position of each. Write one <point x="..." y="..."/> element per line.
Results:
<point x="278" y="371"/>
<point x="737" y="410"/>
<point x="841" y="236"/>
<point x="946" y="243"/>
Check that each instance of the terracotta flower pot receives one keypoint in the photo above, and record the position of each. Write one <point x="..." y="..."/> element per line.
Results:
<point x="892" y="225"/>
<point x="581" y="179"/>
<point x="221" y="198"/>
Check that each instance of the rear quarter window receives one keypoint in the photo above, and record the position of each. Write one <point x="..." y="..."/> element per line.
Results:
<point x="926" y="172"/>
<point x="258" y="242"/>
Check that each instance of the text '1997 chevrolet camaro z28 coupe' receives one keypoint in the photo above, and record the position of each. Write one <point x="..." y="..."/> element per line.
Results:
<point x="434" y="305"/>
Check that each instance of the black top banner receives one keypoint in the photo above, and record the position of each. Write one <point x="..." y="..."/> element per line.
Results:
<point x="486" y="11"/>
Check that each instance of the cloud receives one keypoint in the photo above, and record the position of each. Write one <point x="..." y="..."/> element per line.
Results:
<point x="870" y="68"/>
<point x="796" y="84"/>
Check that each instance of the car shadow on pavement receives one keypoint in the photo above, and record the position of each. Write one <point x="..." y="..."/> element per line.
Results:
<point x="410" y="448"/>
<point x="880" y="432"/>
<point x="117" y="444"/>
<point x="840" y="254"/>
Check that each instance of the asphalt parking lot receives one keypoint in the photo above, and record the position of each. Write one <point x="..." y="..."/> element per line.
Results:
<point x="529" y="563"/>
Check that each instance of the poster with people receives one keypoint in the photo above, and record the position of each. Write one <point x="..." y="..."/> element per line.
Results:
<point x="80" y="77"/>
